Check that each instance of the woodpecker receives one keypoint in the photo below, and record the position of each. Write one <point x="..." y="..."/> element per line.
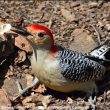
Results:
<point x="62" y="69"/>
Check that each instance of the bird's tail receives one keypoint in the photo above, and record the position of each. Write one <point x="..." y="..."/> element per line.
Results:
<point x="102" y="52"/>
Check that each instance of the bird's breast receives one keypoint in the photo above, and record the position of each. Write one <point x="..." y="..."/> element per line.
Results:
<point x="48" y="71"/>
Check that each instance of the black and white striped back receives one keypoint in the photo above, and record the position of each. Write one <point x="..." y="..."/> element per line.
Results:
<point x="77" y="67"/>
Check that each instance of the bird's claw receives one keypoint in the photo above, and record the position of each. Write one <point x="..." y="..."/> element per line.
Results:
<point x="92" y="102"/>
<point x="22" y="91"/>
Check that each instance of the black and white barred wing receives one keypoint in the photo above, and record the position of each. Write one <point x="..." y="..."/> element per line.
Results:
<point x="77" y="67"/>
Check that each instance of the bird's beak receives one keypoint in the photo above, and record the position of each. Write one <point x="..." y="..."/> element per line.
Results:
<point x="30" y="37"/>
<point x="24" y="32"/>
<point x="20" y="30"/>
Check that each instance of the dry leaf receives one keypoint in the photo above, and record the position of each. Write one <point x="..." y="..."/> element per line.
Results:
<point x="5" y="28"/>
<point x="41" y="89"/>
<point x="68" y="15"/>
<point x="23" y="44"/>
<point x="29" y="79"/>
<point x="108" y="27"/>
<point x="38" y="98"/>
<point x="93" y="4"/>
<point x="21" y="57"/>
<point x="28" y="102"/>
<point x="46" y="100"/>
<point x="9" y="73"/>
<point x="69" y="100"/>
<point x="1" y="23"/>
<point x="4" y="100"/>
<point x="108" y="94"/>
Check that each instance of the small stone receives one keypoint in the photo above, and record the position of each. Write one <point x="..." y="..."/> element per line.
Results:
<point x="83" y="41"/>
<point x="108" y="27"/>
<point x="108" y="94"/>
<point x="93" y="4"/>
<point x="100" y="3"/>
<point x="100" y="99"/>
<point x="68" y="15"/>
<point x="75" y="4"/>
<point x="101" y="24"/>
<point x="69" y="100"/>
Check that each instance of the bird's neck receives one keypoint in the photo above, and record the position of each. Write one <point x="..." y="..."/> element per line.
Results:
<point x="53" y="48"/>
<point x="45" y="49"/>
<point x="42" y="54"/>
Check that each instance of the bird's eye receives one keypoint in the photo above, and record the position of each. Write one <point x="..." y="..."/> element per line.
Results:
<point x="41" y="34"/>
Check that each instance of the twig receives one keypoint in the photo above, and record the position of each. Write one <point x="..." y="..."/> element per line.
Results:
<point x="39" y="20"/>
<point x="22" y="91"/>
<point x="98" y="35"/>
<point x="50" y="22"/>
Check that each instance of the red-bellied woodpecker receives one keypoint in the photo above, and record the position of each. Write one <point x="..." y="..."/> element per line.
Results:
<point x="61" y="69"/>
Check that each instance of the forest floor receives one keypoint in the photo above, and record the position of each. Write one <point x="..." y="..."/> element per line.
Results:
<point x="73" y="24"/>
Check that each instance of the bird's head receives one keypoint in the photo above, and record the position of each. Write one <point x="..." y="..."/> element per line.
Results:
<point x="41" y="37"/>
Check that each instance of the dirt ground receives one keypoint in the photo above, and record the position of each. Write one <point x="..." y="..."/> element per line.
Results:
<point x="63" y="18"/>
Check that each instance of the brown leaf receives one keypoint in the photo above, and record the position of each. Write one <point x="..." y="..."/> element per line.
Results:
<point x="93" y="4"/>
<point x="28" y="102"/>
<point x="29" y="79"/>
<point x="108" y="94"/>
<point x="68" y="15"/>
<point x="21" y="57"/>
<point x="23" y="44"/>
<point x="1" y="23"/>
<point x="18" y="20"/>
<point x="69" y="100"/>
<point x="108" y="27"/>
<point x="38" y="98"/>
<point x="46" y="100"/>
<point x="41" y="89"/>
<point x="10" y="86"/>
<point x="4" y="100"/>
<point x="9" y="73"/>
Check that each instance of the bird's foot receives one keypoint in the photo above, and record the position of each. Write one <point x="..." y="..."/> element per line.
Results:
<point x="92" y="102"/>
<point x="22" y="91"/>
<point x="91" y="94"/>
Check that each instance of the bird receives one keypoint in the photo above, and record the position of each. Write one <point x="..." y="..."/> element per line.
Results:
<point x="61" y="69"/>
